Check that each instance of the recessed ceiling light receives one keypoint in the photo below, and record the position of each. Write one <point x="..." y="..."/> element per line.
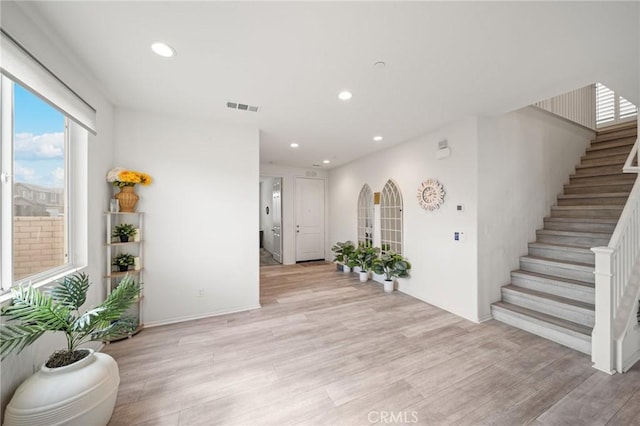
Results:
<point x="163" y="49"/>
<point x="379" y="65"/>
<point x="377" y="138"/>
<point x="344" y="95"/>
<point x="294" y="145"/>
<point x="326" y="161"/>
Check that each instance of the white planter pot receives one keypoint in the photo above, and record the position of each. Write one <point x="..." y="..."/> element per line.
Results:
<point x="346" y="269"/>
<point x="388" y="286"/>
<point x="364" y="276"/>
<point x="83" y="393"/>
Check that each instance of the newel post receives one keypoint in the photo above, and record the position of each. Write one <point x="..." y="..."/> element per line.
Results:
<point x="602" y="337"/>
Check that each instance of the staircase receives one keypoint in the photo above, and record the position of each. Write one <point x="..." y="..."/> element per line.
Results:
<point x="552" y="294"/>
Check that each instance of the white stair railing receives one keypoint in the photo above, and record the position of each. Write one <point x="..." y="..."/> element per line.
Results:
<point x="616" y="338"/>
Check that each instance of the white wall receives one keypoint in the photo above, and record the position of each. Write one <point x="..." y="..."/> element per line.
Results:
<point x="524" y="158"/>
<point x="34" y="35"/>
<point x="289" y="175"/>
<point x="266" y="220"/>
<point x="444" y="272"/>
<point x="201" y="223"/>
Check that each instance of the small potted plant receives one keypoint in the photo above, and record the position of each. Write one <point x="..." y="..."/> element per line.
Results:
<point x="124" y="231"/>
<point x="392" y="265"/>
<point x="76" y="385"/>
<point x="365" y="255"/>
<point x="342" y="252"/>
<point x="123" y="261"/>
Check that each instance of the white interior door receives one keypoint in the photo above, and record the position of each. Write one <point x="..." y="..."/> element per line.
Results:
<point x="309" y="219"/>
<point x="277" y="219"/>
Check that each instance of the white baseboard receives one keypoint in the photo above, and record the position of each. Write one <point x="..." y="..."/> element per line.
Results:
<point x="200" y="316"/>
<point x="475" y="320"/>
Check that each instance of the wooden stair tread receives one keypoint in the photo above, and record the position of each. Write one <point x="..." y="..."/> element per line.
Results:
<point x="559" y="322"/>
<point x="551" y="297"/>
<point x="592" y="234"/>
<point x="598" y="184"/>
<point x="602" y="164"/>
<point x="565" y="247"/>
<point x="590" y="207"/>
<point x="618" y="126"/>
<point x="569" y="264"/>
<point x="605" y="220"/>
<point x="593" y="195"/>
<point x="546" y="277"/>
<point x="623" y="176"/>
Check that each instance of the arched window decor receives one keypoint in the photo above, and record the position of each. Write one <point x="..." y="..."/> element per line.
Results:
<point x="365" y="216"/>
<point x="391" y="218"/>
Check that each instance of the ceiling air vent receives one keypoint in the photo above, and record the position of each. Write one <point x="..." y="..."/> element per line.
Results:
<point x="244" y="107"/>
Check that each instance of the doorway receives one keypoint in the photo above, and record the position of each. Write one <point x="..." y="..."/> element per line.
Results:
<point x="309" y="219"/>
<point x="270" y="221"/>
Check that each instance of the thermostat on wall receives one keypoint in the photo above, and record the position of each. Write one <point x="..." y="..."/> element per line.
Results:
<point x="459" y="236"/>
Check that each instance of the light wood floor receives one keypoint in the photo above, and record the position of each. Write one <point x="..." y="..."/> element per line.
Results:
<point x="327" y="350"/>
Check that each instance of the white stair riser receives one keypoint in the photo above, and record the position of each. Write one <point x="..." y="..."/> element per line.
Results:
<point x="559" y="271"/>
<point x="573" y="292"/>
<point x="573" y="240"/>
<point x="550" y="307"/>
<point x="532" y="325"/>
<point x="559" y="254"/>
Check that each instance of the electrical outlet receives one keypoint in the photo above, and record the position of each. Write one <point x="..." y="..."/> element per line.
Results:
<point x="201" y="292"/>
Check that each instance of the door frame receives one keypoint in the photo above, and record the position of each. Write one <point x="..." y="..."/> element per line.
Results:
<point x="324" y="213"/>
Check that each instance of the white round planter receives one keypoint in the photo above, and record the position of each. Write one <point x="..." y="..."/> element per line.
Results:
<point x="83" y="393"/>
<point x="364" y="276"/>
<point x="346" y="269"/>
<point x="388" y="286"/>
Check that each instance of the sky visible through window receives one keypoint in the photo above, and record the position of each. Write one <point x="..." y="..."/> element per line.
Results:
<point x="39" y="141"/>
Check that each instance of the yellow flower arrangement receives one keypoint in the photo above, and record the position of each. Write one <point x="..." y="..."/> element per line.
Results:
<point x="121" y="177"/>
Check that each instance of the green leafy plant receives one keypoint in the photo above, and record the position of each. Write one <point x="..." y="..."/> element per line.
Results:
<point x="343" y="251"/>
<point x="123" y="259"/>
<point x="36" y="312"/>
<point x="124" y="231"/>
<point x="392" y="265"/>
<point x="365" y="255"/>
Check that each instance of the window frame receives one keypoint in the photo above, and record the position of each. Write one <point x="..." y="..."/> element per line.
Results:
<point x="395" y="242"/>
<point x="366" y="214"/>
<point x="74" y="196"/>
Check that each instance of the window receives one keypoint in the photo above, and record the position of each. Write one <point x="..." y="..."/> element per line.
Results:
<point x="39" y="146"/>
<point x="391" y="218"/>
<point x="611" y="108"/>
<point x="43" y="156"/>
<point x="365" y="216"/>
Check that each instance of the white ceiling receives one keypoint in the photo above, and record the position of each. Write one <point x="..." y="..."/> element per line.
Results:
<point x="444" y="61"/>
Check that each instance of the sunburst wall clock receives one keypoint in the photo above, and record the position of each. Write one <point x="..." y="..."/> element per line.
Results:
<point x="431" y="195"/>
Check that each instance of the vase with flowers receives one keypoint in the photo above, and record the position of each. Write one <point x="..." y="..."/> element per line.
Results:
<point x="126" y="180"/>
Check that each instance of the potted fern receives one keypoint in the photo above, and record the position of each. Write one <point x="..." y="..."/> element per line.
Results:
<point x="342" y="252"/>
<point x="76" y="386"/>
<point x="124" y="231"/>
<point x="123" y="261"/>
<point x="392" y="265"/>
<point x="365" y="255"/>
